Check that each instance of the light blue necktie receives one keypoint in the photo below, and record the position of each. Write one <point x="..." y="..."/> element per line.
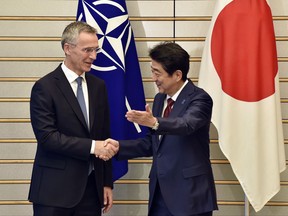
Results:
<point x="80" y="98"/>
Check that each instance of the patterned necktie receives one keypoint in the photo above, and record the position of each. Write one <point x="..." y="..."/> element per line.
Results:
<point x="168" y="108"/>
<point x="80" y="98"/>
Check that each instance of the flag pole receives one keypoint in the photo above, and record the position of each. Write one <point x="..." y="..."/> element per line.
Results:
<point x="247" y="206"/>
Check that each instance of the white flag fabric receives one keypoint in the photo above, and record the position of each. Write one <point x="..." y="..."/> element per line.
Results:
<point x="239" y="70"/>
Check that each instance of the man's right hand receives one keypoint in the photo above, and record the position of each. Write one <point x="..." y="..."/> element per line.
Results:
<point x="105" y="150"/>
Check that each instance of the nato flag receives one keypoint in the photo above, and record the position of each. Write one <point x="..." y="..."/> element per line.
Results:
<point x="117" y="64"/>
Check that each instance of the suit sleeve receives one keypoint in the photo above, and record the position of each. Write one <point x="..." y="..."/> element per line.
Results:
<point x="141" y="147"/>
<point x="108" y="171"/>
<point x="48" y="122"/>
<point x="196" y="115"/>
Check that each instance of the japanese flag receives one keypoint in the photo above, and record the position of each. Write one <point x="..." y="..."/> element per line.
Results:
<point x="239" y="70"/>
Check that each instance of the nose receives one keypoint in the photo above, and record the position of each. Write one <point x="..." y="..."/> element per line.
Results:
<point x="154" y="77"/>
<point x="93" y="55"/>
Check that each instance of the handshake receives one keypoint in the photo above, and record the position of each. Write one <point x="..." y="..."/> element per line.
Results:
<point x="106" y="149"/>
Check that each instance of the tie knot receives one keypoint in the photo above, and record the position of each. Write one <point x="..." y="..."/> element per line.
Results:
<point x="168" y="108"/>
<point x="170" y="102"/>
<point x="79" y="81"/>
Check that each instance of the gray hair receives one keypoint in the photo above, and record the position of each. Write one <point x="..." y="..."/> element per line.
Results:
<point x="72" y="31"/>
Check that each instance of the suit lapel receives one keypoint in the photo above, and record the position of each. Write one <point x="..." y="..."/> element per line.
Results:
<point x="158" y="105"/>
<point x="182" y="100"/>
<point x="181" y="103"/>
<point x="157" y="112"/>
<point x="92" y="100"/>
<point x="65" y="87"/>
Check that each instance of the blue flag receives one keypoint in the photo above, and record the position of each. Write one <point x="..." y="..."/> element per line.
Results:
<point x="117" y="64"/>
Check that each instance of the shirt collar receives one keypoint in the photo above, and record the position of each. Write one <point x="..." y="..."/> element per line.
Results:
<point x="175" y="96"/>
<point x="71" y="75"/>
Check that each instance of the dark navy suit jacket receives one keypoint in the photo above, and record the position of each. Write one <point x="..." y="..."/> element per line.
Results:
<point x="60" y="170"/>
<point x="181" y="162"/>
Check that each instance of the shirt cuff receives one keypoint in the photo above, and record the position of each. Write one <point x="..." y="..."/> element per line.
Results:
<point x="92" y="147"/>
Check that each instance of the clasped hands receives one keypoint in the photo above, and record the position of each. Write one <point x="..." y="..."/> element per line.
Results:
<point x="106" y="149"/>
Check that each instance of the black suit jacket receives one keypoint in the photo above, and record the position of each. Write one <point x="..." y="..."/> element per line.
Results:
<point x="181" y="161"/>
<point x="60" y="169"/>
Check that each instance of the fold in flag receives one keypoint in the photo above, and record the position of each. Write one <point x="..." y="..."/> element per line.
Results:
<point x="239" y="70"/>
<point x="117" y="64"/>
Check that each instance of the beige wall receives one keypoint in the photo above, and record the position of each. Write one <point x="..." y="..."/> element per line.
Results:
<point x="30" y="48"/>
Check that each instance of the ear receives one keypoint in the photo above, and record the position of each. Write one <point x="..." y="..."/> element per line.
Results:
<point x="66" y="49"/>
<point x="178" y="75"/>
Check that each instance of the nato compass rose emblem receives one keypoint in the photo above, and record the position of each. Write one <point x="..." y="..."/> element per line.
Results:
<point x="113" y="30"/>
<point x="116" y="41"/>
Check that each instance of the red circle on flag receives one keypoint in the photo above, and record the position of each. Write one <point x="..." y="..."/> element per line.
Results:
<point x="243" y="50"/>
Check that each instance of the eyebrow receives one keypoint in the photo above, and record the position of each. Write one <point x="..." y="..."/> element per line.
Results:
<point x="155" y="69"/>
